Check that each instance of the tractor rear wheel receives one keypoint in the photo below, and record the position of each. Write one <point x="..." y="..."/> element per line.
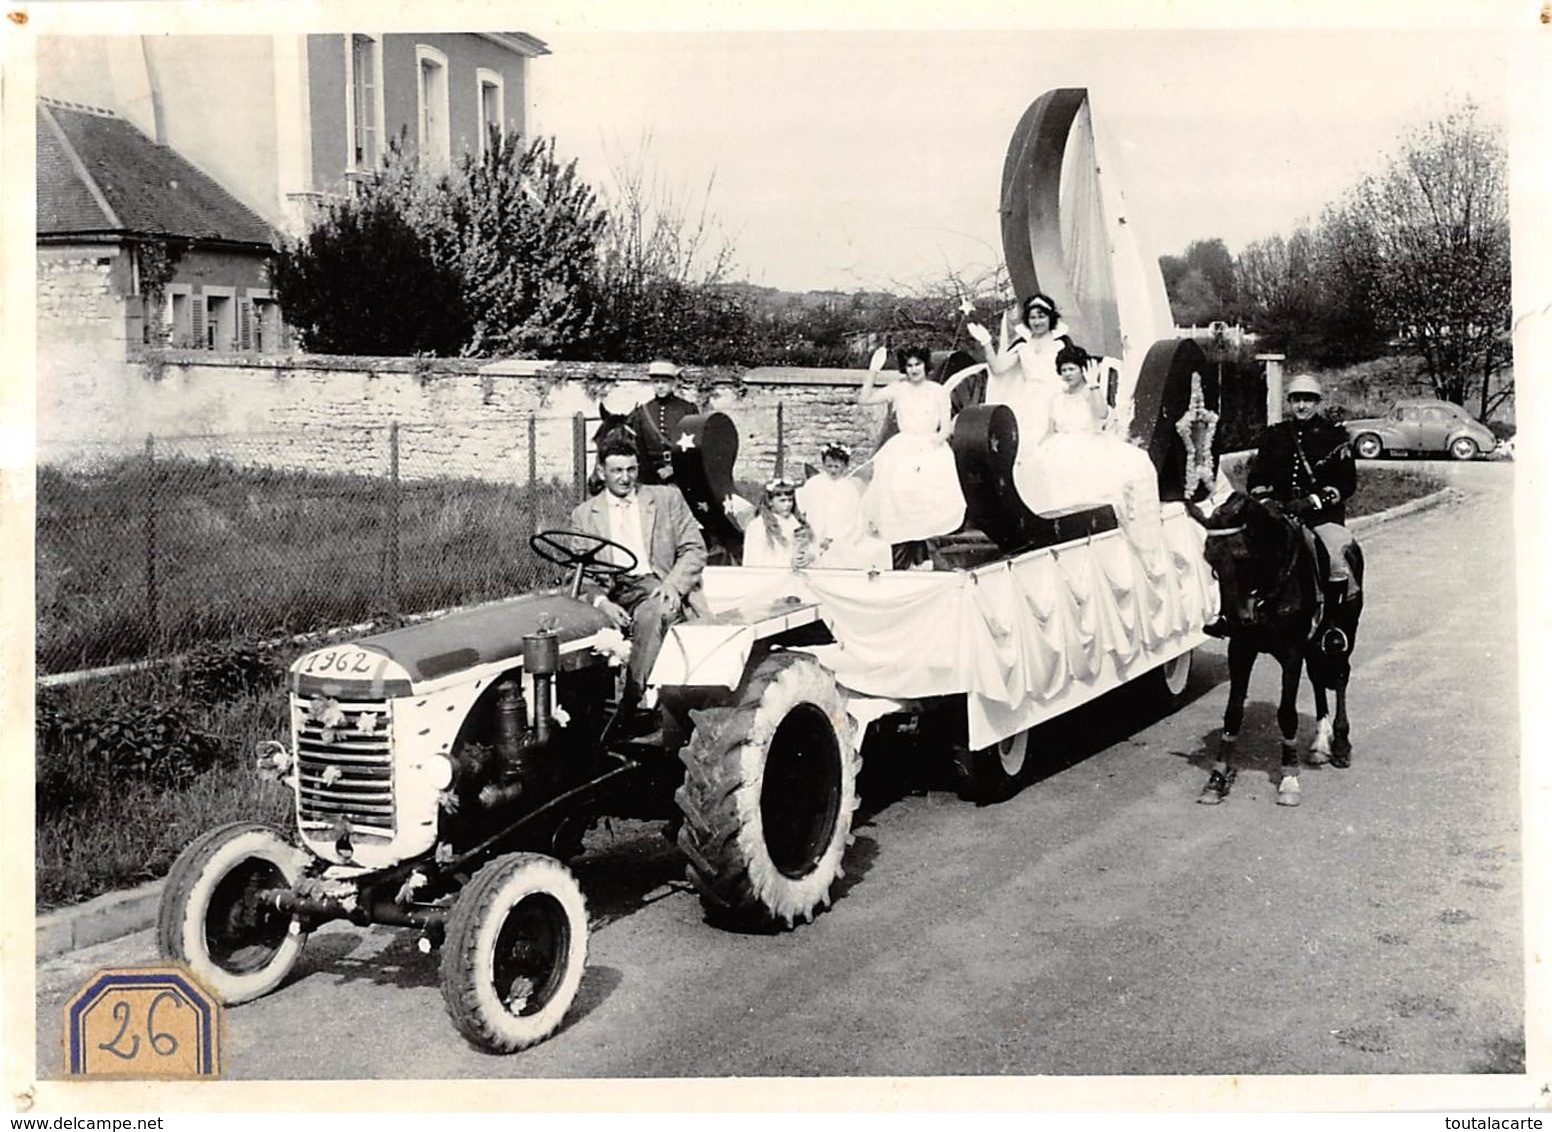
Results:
<point x="216" y="916"/>
<point x="769" y="791"/>
<point x="515" y="951"/>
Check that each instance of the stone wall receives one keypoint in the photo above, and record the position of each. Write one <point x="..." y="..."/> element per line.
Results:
<point x="456" y="417"/>
<point x="79" y="304"/>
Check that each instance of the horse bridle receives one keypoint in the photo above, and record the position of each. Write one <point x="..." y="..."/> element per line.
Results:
<point x="1258" y="595"/>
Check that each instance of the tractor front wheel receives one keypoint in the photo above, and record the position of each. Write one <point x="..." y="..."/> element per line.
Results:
<point x="769" y="791"/>
<point x="515" y="951"/>
<point x="218" y="913"/>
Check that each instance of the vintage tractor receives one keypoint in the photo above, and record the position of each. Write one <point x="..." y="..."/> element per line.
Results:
<point x="443" y="771"/>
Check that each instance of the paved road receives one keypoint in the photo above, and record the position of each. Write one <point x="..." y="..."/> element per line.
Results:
<point x="1099" y="923"/>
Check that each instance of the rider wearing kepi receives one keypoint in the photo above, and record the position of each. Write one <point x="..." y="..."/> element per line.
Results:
<point x="1305" y="464"/>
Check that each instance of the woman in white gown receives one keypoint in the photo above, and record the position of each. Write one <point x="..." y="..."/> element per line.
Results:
<point x="1022" y="374"/>
<point x="1022" y="371"/>
<point x="1075" y="464"/>
<point x="915" y="493"/>
<point x="778" y="535"/>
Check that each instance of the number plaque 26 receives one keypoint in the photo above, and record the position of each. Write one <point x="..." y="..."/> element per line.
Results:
<point x="144" y="1022"/>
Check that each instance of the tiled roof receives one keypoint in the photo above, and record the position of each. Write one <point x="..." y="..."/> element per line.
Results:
<point x="98" y="173"/>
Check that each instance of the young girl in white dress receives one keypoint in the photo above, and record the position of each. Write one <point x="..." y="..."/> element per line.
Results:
<point x="831" y="501"/>
<point x="915" y="493"/>
<point x="778" y="535"/>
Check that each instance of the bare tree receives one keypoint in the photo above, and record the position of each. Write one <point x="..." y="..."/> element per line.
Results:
<point x="1431" y="232"/>
<point x="662" y="258"/>
<point x="657" y="230"/>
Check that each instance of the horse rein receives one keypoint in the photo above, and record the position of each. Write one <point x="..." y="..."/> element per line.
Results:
<point x="1284" y="574"/>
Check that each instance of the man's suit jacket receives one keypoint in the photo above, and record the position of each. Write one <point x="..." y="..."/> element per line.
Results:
<point x="676" y="552"/>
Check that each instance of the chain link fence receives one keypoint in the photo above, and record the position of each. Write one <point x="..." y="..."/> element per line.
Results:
<point x="266" y="535"/>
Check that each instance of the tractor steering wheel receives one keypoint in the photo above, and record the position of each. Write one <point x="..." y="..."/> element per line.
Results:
<point x="558" y="548"/>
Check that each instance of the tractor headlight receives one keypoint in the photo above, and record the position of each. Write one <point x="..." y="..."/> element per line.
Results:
<point x="439" y="771"/>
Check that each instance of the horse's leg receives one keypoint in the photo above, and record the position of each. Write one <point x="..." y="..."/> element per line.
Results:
<point x="1242" y="658"/>
<point x="1288" y="723"/>
<point x="1320" y="747"/>
<point x="1342" y="669"/>
<point x="1341" y="747"/>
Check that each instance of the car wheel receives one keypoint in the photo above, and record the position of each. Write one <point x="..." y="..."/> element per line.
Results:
<point x="1463" y="448"/>
<point x="1368" y="446"/>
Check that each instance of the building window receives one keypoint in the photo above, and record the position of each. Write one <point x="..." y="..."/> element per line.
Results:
<point x="434" y="136"/>
<point x="363" y="101"/>
<point x="263" y="330"/>
<point x="177" y="313"/>
<point x="220" y="320"/>
<point x="492" y="101"/>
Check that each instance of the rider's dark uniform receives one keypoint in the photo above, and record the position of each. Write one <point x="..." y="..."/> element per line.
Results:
<point x="1307" y="466"/>
<point x="656" y="422"/>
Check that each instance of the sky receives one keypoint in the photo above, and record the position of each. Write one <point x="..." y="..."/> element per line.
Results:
<point x="868" y="158"/>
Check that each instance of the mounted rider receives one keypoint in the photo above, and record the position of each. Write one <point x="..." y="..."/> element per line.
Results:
<point x="1305" y="464"/>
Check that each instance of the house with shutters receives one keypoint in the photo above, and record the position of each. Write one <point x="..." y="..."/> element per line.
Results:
<point x="284" y="122"/>
<point x="206" y="150"/>
<point x="136" y="245"/>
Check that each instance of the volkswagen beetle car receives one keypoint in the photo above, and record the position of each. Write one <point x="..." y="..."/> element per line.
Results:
<point x="1421" y="428"/>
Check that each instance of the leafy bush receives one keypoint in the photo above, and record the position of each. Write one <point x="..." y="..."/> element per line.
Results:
<point x="497" y="257"/>
<point x="367" y="281"/>
<point x="212" y="672"/>
<point x="82" y="756"/>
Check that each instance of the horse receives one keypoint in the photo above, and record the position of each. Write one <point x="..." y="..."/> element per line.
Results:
<point x="1270" y="570"/>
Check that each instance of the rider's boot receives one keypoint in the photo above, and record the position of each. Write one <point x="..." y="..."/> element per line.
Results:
<point x="1333" y="640"/>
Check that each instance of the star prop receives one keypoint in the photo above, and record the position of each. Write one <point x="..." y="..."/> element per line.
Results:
<point x="1197" y="427"/>
<point x="966" y="307"/>
<point x="685" y="442"/>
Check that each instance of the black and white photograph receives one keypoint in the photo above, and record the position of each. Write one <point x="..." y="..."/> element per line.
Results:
<point x="755" y="558"/>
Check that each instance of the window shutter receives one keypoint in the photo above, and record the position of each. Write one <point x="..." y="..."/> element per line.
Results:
<point x="197" y="320"/>
<point x="245" y="324"/>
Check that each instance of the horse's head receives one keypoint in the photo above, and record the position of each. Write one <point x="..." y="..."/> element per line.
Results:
<point x="1249" y="547"/>
<point x="611" y="425"/>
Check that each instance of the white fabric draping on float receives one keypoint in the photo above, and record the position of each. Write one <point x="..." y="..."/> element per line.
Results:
<point x="1025" y="638"/>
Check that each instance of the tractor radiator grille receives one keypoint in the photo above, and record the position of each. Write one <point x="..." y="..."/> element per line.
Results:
<point x="345" y="769"/>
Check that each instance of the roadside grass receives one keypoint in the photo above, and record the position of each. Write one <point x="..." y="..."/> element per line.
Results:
<point x="1380" y="489"/>
<point x="133" y="563"/>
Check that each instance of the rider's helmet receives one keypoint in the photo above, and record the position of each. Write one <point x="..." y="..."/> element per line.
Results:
<point x="1304" y="383"/>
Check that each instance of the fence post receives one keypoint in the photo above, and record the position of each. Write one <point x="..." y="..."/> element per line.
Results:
<point x="392" y="533"/>
<point x="533" y="449"/>
<point x="781" y="436"/>
<point x="153" y="615"/>
<point x="579" y="453"/>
